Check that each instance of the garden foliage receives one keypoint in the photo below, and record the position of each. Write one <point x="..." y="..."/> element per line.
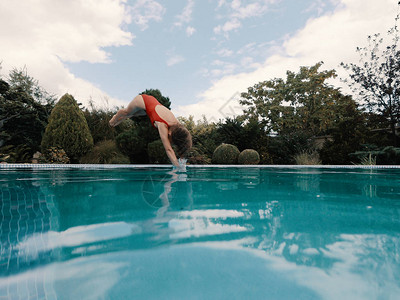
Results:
<point x="376" y="78"/>
<point x="24" y="112"/>
<point x="68" y="129"/>
<point x="157" y="153"/>
<point x="381" y="156"/>
<point x="105" y="152"/>
<point x="249" y="157"/>
<point x="225" y="154"/>
<point x="53" y="155"/>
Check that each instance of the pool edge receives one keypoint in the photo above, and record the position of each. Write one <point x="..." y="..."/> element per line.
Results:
<point x="146" y="166"/>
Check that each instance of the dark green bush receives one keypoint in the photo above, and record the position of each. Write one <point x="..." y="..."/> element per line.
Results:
<point x="225" y="154"/>
<point x="23" y="116"/>
<point x="157" y="153"/>
<point x="132" y="143"/>
<point x="283" y="148"/>
<point x="99" y="127"/>
<point x="389" y="156"/>
<point x="105" y="152"/>
<point x="196" y="157"/>
<point x="249" y="157"/>
<point x="15" y="154"/>
<point x="68" y="129"/>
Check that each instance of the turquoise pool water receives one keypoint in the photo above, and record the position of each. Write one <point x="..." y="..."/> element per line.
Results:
<point x="209" y="233"/>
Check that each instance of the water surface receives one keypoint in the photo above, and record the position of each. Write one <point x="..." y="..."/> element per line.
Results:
<point x="209" y="233"/>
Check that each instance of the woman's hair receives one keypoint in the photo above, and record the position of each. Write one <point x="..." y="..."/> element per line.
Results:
<point x="181" y="138"/>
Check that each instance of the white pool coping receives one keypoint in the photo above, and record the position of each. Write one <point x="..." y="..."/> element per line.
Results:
<point x="10" y="166"/>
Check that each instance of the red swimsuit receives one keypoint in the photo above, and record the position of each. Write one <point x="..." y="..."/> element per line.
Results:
<point x="150" y="102"/>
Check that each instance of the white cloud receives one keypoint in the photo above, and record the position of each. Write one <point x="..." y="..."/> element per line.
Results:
<point x="221" y="68"/>
<point x="144" y="11"/>
<point x="186" y="15"/>
<point x="317" y="5"/>
<point x="225" y="52"/>
<point x="190" y="31"/>
<point x="238" y="12"/>
<point x="228" y="26"/>
<point x="185" y="18"/>
<point x="174" y="59"/>
<point x="247" y="62"/>
<point x="250" y="10"/>
<point x="43" y="34"/>
<point x="331" y="38"/>
<point x="221" y="3"/>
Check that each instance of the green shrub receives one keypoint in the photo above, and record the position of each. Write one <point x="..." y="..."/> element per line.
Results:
<point x="249" y="157"/>
<point x="53" y="155"/>
<point x="283" y="148"/>
<point x="98" y="123"/>
<point x="195" y="157"/>
<point x="225" y="154"/>
<point x="307" y="158"/>
<point x="105" y="152"/>
<point x="132" y="143"/>
<point x="15" y="154"/>
<point x="68" y="129"/>
<point x="157" y="153"/>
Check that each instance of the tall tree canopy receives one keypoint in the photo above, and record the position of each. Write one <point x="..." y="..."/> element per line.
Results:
<point x="376" y="78"/>
<point x="24" y="111"/>
<point x="19" y="78"/>
<point x="304" y="101"/>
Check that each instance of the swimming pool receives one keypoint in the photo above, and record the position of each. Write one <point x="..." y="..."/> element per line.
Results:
<point x="209" y="233"/>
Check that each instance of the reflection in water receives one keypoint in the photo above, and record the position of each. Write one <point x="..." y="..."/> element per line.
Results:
<point x="307" y="231"/>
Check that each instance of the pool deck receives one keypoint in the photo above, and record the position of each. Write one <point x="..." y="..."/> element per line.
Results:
<point x="11" y="166"/>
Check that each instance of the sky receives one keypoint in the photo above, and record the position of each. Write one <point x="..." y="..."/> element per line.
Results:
<point x="200" y="53"/>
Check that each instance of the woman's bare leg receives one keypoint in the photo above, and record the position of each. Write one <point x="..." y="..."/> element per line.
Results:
<point x="135" y="108"/>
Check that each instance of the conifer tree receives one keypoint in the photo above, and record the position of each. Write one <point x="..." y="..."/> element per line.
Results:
<point x="68" y="129"/>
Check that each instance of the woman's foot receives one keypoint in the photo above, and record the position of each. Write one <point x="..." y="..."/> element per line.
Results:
<point x="118" y="118"/>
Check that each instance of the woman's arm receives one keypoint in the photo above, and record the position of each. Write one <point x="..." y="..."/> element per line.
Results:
<point x="163" y="131"/>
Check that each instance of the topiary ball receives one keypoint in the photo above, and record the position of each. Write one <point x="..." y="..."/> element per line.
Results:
<point x="249" y="157"/>
<point x="225" y="154"/>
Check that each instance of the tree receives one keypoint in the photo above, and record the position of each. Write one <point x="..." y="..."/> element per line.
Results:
<point x="304" y="101"/>
<point x="348" y="134"/>
<point x="133" y="143"/>
<point x="19" y="78"/>
<point x="204" y="138"/>
<point x="156" y="93"/>
<point x="68" y="129"/>
<point x="98" y="122"/>
<point x="230" y="131"/>
<point x="283" y="148"/>
<point x="24" y="111"/>
<point x="240" y="132"/>
<point x="376" y="78"/>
